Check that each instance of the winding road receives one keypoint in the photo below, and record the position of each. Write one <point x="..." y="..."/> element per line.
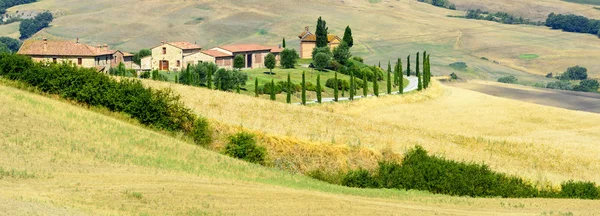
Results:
<point x="412" y="85"/>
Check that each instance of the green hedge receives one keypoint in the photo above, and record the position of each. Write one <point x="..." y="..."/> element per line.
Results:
<point x="152" y="107"/>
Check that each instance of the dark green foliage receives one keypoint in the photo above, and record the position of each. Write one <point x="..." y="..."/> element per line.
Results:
<point x="453" y="76"/>
<point x="201" y="132"/>
<point x="336" y="88"/>
<point x="408" y="66"/>
<point x="359" y="178"/>
<point x="459" y="66"/>
<point x="156" y="108"/>
<point x="5" y="4"/>
<point x="137" y="57"/>
<point x="366" y="85"/>
<point x="283" y="43"/>
<point x="209" y="76"/>
<point x="270" y="62"/>
<point x="12" y="45"/>
<point x="348" y="37"/>
<point x="400" y="78"/>
<point x="375" y="87"/>
<point x="227" y="80"/>
<point x="562" y="85"/>
<point x="288" y="89"/>
<point x="389" y="78"/>
<point x="289" y="58"/>
<point x="321" y="33"/>
<point x="120" y="70"/>
<point x="508" y="79"/>
<point x="321" y="60"/>
<point x="500" y="17"/>
<point x="239" y="62"/>
<point x="582" y="190"/>
<point x="371" y="72"/>
<point x="272" y="90"/>
<point x="418" y="73"/>
<point x="575" y="73"/>
<point x="573" y="23"/>
<point x="199" y="74"/>
<point x="243" y="146"/>
<point x="256" y="87"/>
<point x="352" y="86"/>
<point x="28" y="27"/>
<point x="587" y="86"/>
<point x="303" y="88"/>
<point x="319" y="89"/>
<point x="358" y="59"/>
<point x="342" y="54"/>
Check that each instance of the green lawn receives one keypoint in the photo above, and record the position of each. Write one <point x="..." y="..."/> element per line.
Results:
<point x="529" y="56"/>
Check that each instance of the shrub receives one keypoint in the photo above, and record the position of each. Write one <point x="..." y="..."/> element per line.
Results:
<point x="243" y="146"/>
<point x="459" y="66"/>
<point x="321" y="61"/>
<point x="453" y="76"/>
<point x="508" y="79"/>
<point x="562" y="85"/>
<point x="201" y="132"/>
<point x="583" y="190"/>
<point x="587" y="86"/>
<point x="342" y="84"/>
<point x="268" y="87"/>
<point x="342" y="53"/>
<point x="359" y="178"/>
<point x="289" y="58"/>
<point x="575" y="73"/>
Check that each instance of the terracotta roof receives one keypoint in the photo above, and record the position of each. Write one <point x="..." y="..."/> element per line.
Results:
<point x="215" y="53"/>
<point x="60" y="48"/>
<point x="311" y="38"/>
<point x="276" y="49"/>
<point x="244" y="48"/>
<point x="126" y="54"/>
<point x="185" y="45"/>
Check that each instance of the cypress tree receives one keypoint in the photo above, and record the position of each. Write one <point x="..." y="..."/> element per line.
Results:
<point x="176" y="79"/>
<point x="348" y="37"/>
<point x="303" y="88"/>
<point x="389" y="78"/>
<point x="318" y="88"/>
<point x="321" y="33"/>
<point x="401" y="79"/>
<point x="424" y="76"/>
<point x="272" y="90"/>
<point x="283" y="43"/>
<point x="288" y="98"/>
<point x="408" y="66"/>
<point x="335" y="87"/>
<point x="428" y="71"/>
<point x="352" y="88"/>
<point x="365" y="85"/>
<point x="379" y="64"/>
<point x="396" y="75"/>
<point x="256" y="87"/>
<point x="376" y="85"/>
<point x="420" y="86"/>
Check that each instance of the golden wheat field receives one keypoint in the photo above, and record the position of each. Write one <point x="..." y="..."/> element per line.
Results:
<point x="62" y="159"/>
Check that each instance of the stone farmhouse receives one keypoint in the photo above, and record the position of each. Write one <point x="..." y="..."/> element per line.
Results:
<point x="83" y="55"/>
<point x="308" y="41"/>
<point x="254" y="55"/>
<point x="173" y="56"/>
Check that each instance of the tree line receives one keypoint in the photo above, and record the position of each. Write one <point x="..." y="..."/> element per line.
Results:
<point x="29" y="27"/>
<point x="573" y="23"/>
<point x="5" y="4"/>
<point x="500" y="17"/>
<point x="9" y="45"/>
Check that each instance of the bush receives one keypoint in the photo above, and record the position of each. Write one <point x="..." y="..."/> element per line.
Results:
<point x="342" y="53"/>
<point x="508" y="79"/>
<point x="359" y="178"/>
<point x="358" y="59"/>
<point x="201" y="132"/>
<point x="342" y="84"/>
<point x="562" y="85"/>
<point x="243" y="146"/>
<point x="587" y="86"/>
<point x="289" y="58"/>
<point x="459" y="66"/>
<point x="321" y="61"/>
<point x="575" y="73"/>
<point x="453" y="76"/>
<point x="583" y="190"/>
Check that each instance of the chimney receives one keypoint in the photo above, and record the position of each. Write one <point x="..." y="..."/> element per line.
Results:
<point x="105" y="47"/>
<point x="77" y="41"/>
<point x="306" y="28"/>
<point x="279" y="46"/>
<point x="162" y="42"/>
<point x="45" y="42"/>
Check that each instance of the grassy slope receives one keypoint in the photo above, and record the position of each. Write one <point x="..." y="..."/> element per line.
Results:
<point x="415" y="26"/>
<point x="82" y="162"/>
<point x="534" y="10"/>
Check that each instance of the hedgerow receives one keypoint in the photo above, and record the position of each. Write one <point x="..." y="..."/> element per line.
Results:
<point x="159" y="108"/>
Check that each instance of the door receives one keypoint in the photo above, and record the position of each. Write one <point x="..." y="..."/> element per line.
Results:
<point x="164" y="65"/>
<point x="249" y="61"/>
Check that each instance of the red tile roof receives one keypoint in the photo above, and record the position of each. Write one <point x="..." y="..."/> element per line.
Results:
<point x="216" y="53"/>
<point x="276" y="49"/>
<point x="244" y="48"/>
<point x="312" y="38"/>
<point x="185" y="45"/>
<point x="60" y="48"/>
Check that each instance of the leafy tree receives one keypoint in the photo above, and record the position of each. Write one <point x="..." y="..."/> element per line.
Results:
<point x="348" y="37"/>
<point x="335" y="89"/>
<point x="321" y="33"/>
<point x="587" y="86"/>
<point x="28" y="27"/>
<point x="321" y="61"/>
<point x="12" y="45"/>
<point x="408" y="66"/>
<point x="137" y="57"/>
<point x="303" y="88"/>
<point x="243" y="146"/>
<point x="4" y="49"/>
<point x="227" y="80"/>
<point x="573" y="23"/>
<point x="576" y="73"/>
<point x="288" y="98"/>
<point x="342" y="53"/>
<point x="318" y="89"/>
<point x="389" y="78"/>
<point x="270" y="62"/>
<point x="289" y="58"/>
<point x="420" y="86"/>
<point x="283" y="43"/>
<point x="239" y="62"/>
<point x="272" y="90"/>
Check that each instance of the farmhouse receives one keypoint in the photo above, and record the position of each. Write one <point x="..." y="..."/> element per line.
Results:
<point x="254" y="55"/>
<point x="99" y="57"/>
<point x="308" y="41"/>
<point x="173" y="56"/>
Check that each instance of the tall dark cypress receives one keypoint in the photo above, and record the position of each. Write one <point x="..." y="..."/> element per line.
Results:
<point x="348" y="37"/>
<point x="283" y="43"/>
<point x="420" y="86"/>
<point x="428" y="71"/>
<point x="256" y="87"/>
<point x="408" y="66"/>
<point x="335" y="87"/>
<point x="272" y="90"/>
<point x="389" y="78"/>
<point x="288" y="98"/>
<point x="400" y="79"/>
<point x="321" y="33"/>
<point x="318" y="88"/>
<point x="424" y="76"/>
<point x="352" y="87"/>
<point x="376" y="85"/>
<point x="365" y="85"/>
<point x="303" y="88"/>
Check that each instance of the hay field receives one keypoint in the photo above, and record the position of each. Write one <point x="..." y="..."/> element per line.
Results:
<point x="535" y="10"/>
<point x="61" y="159"/>
<point x="543" y="144"/>
<point x="383" y="31"/>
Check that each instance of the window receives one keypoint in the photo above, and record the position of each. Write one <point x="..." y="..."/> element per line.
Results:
<point x="178" y="63"/>
<point x="54" y="60"/>
<point x="79" y="61"/>
<point x="164" y="50"/>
